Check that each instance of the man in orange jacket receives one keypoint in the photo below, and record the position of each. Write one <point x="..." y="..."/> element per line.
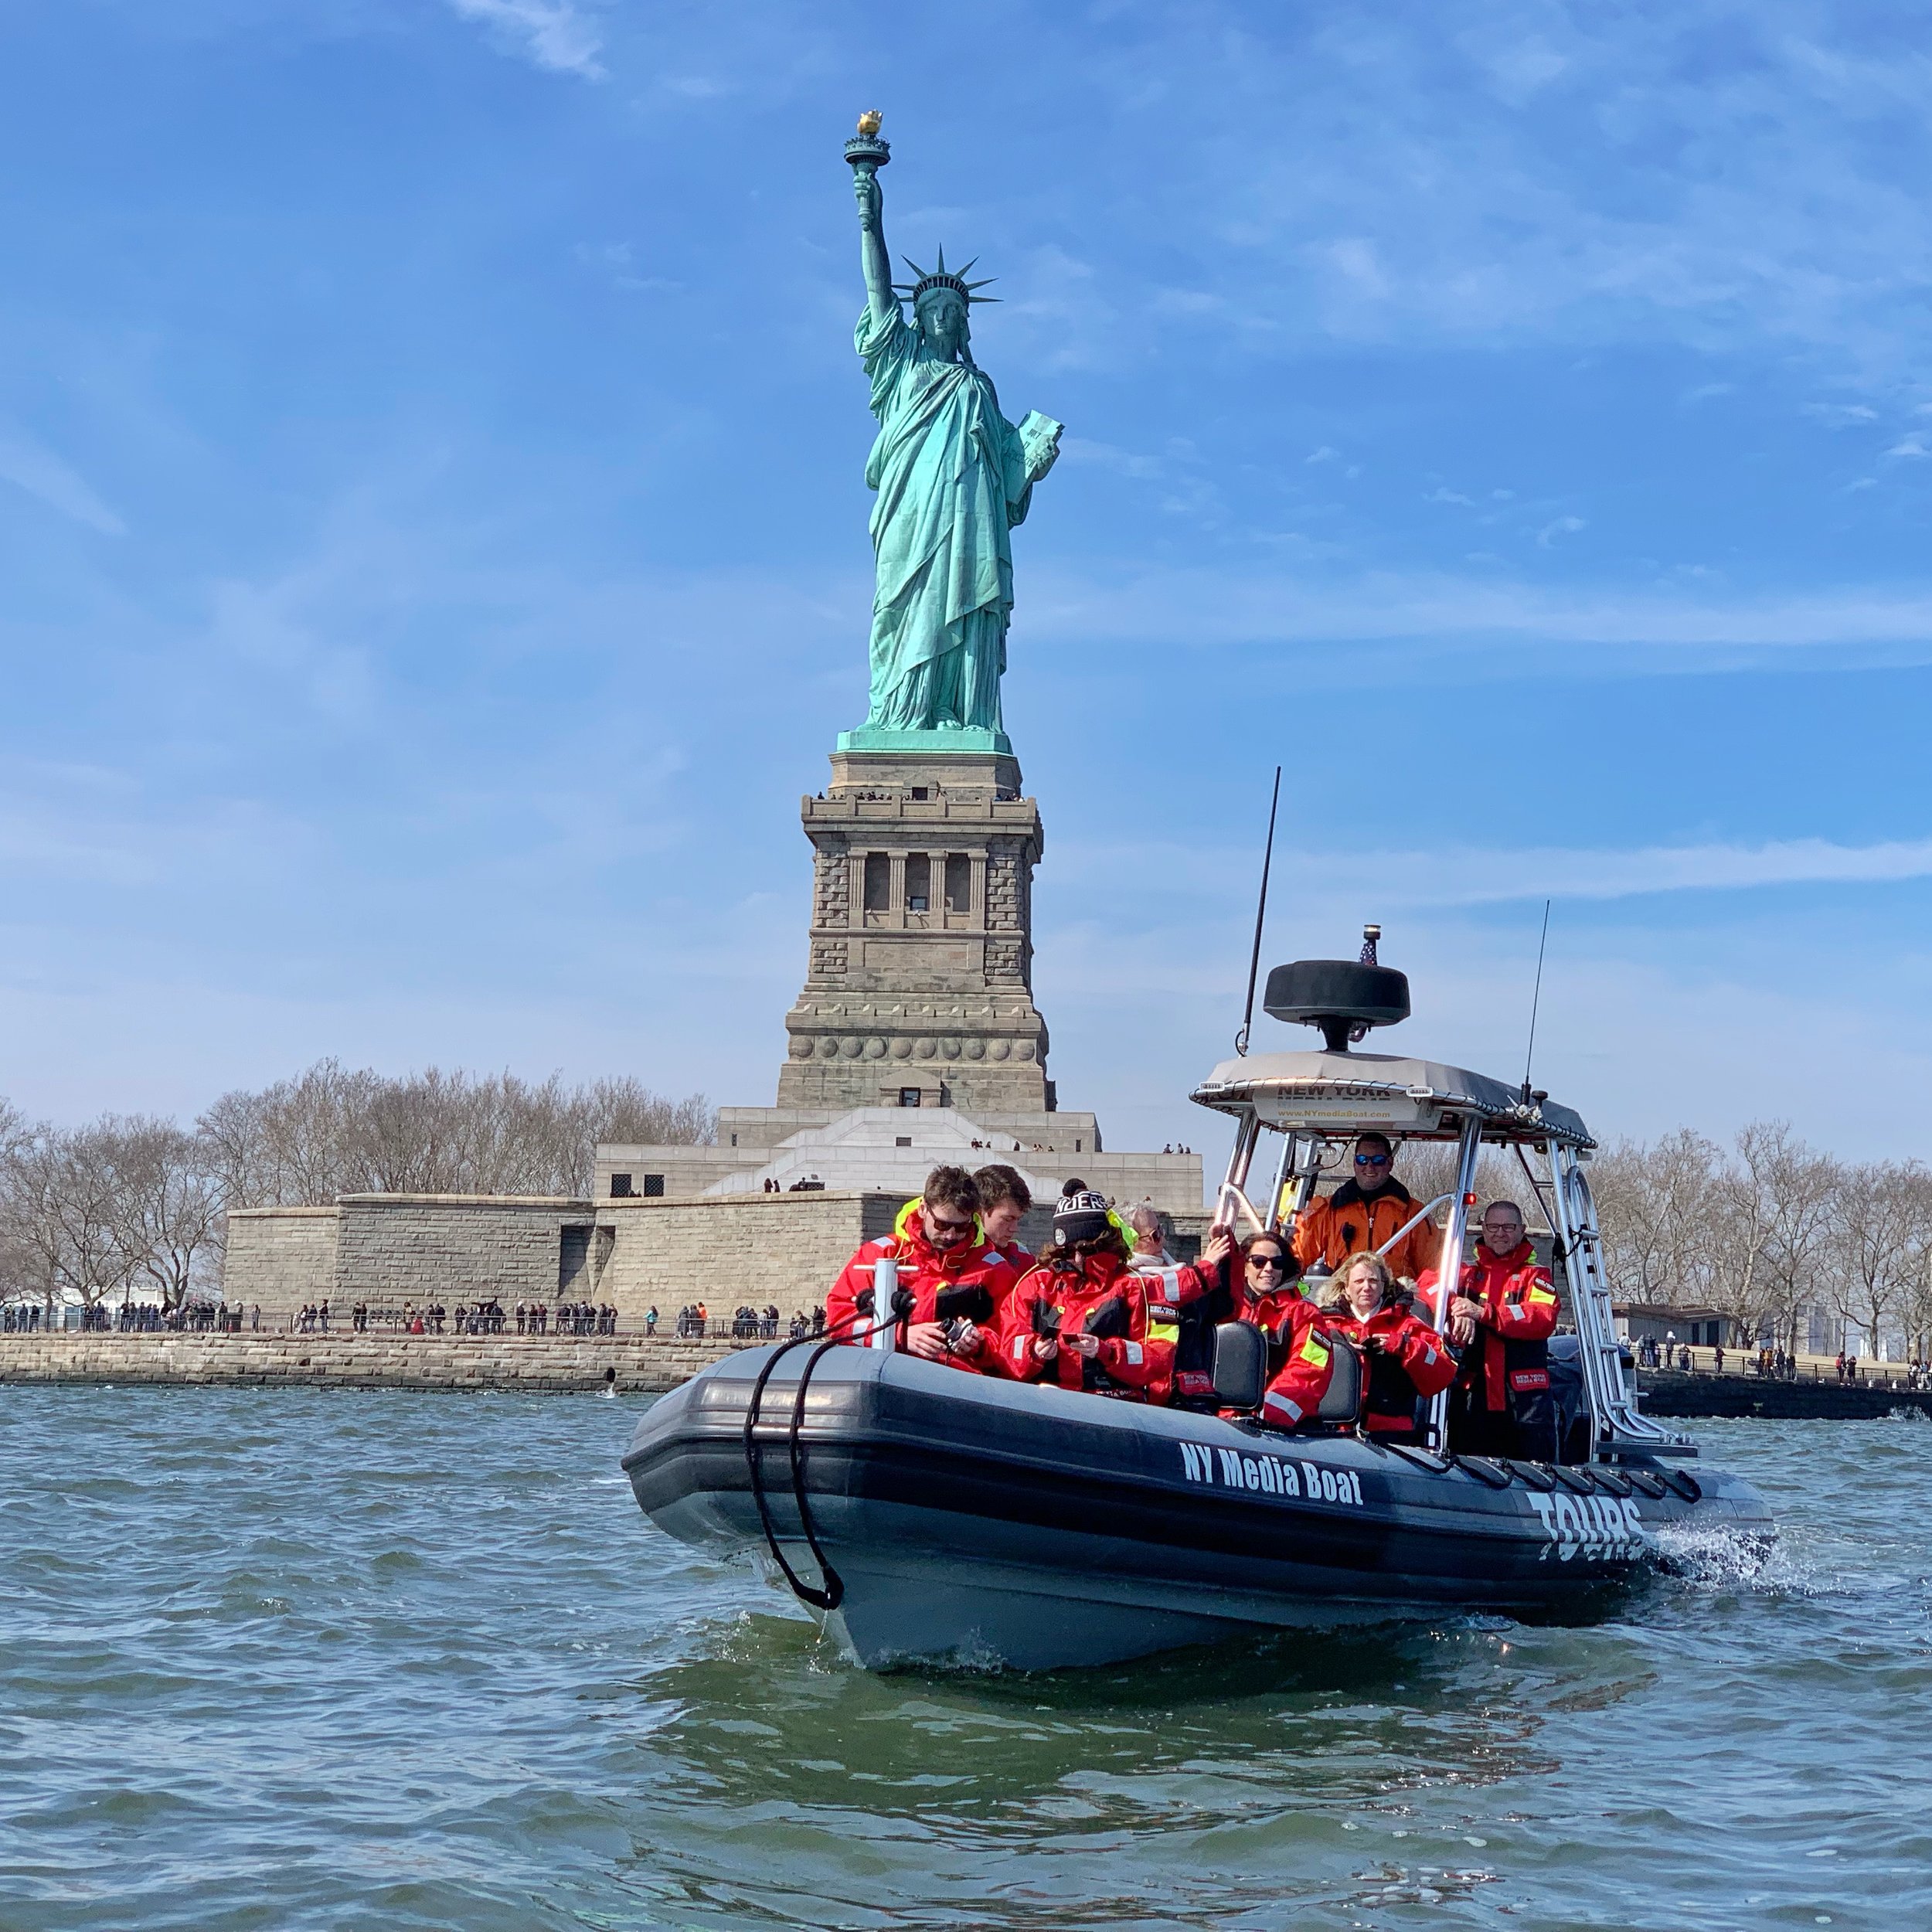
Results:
<point x="1501" y="1317"/>
<point x="1363" y="1213"/>
<point x="958" y="1282"/>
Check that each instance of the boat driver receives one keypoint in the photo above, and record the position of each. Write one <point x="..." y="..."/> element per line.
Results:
<point x="1501" y="1318"/>
<point x="958" y="1281"/>
<point x="1365" y="1214"/>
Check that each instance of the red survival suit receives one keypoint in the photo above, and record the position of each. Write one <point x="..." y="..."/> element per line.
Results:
<point x="1502" y="1406"/>
<point x="1133" y="1315"/>
<point x="971" y="1280"/>
<point x="1413" y="1361"/>
<point x="1303" y="1362"/>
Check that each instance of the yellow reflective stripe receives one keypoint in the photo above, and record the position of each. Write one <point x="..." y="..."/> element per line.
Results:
<point x="1543" y="1294"/>
<point x="1312" y="1350"/>
<point x="1163" y="1332"/>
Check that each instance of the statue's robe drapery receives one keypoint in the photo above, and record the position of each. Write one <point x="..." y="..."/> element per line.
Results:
<point x="950" y="473"/>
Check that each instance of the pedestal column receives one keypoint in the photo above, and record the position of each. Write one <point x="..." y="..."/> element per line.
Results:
<point x="900" y="1001"/>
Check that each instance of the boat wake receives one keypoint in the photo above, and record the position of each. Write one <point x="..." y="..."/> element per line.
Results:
<point x="1717" y="1558"/>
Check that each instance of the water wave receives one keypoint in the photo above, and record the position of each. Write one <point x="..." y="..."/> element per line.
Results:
<point x="282" y="1659"/>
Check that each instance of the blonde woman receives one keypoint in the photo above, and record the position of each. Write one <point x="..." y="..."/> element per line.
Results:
<point x="1406" y="1360"/>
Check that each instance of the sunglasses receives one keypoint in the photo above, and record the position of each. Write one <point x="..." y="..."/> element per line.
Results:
<point x="948" y="1230"/>
<point x="1277" y="1262"/>
<point x="1372" y="1160"/>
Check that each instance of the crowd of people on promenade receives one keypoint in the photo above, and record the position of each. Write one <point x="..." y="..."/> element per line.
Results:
<point x="1108" y="1309"/>
<point x="484" y="1316"/>
<point x="1772" y="1363"/>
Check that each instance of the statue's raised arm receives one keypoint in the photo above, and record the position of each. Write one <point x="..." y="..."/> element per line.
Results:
<point x="871" y="235"/>
<point x="953" y="478"/>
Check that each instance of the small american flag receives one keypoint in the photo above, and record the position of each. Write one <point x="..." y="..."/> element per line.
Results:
<point x="1370" y="936"/>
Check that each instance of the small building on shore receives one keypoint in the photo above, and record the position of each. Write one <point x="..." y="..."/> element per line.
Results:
<point x="1699" y="1326"/>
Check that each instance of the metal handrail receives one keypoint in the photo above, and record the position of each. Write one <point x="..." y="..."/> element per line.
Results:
<point x="1412" y="1221"/>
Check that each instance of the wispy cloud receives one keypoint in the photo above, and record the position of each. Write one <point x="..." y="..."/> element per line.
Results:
<point x="40" y="473"/>
<point x="553" y="34"/>
<point x="1471" y="876"/>
<point x="1220" y="607"/>
<point x="1477" y="877"/>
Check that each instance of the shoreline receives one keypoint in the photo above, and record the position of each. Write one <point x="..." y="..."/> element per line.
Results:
<point x="534" y="1365"/>
<point x="639" y="1365"/>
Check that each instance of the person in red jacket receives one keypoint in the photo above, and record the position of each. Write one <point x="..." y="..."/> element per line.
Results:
<point x="1269" y="1296"/>
<point x="1084" y="1318"/>
<point x="959" y="1284"/>
<point x="1502" y="1318"/>
<point x="1004" y="1198"/>
<point x="1404" y="1360"/>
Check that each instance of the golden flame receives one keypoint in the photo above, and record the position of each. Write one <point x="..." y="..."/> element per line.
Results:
<point x="868" y="122"/>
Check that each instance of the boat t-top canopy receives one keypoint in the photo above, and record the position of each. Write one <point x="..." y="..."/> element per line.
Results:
<point x="1347" y="1092"/>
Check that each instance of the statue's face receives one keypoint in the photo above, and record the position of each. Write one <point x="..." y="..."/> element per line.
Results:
<point x="942" y="321"/>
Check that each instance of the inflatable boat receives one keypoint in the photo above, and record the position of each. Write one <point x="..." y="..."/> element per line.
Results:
<point x="927" y="1513"/>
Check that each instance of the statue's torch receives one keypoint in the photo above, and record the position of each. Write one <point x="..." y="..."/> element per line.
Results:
<point x="866" y="151"/>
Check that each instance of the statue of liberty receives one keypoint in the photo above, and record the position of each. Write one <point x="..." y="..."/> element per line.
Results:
<point x="953" y="477"/>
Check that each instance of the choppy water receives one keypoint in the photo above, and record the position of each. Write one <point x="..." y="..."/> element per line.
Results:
<point x="297" y="1659"/>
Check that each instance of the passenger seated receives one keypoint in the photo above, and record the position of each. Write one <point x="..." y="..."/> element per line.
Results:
<point x="1363" y="1214"/>
<point x="1406" y="1359"/>
<point x="959" y="1282"/>
<point x="1271" y="1297"/>
<point x="1083" y="1318"/>
<point x="1004" y="1198"/>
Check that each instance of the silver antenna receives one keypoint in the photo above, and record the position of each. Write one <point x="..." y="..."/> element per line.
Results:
<point x="1536" y="1000"/>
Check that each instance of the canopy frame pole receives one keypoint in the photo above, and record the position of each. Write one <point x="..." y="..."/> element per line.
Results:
<point x="1241" y="1157"/>
<point x="1290" y="1144"/>
<point x="1414" y="1220"/>
<point x="1449" y="1269"/>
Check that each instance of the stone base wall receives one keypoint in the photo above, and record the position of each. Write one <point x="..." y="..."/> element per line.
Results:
<point x="451" y="1248"/>
<point x="550" y="1365"/>
<point x="786" y="1249"/>
<point x="282" y="1259"/>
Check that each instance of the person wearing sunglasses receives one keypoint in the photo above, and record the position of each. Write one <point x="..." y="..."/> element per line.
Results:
<point x="1084" y="1320"/>
<point x="1268" y="1293"/>
<point x="1363" y="1213"/>
<point x="958" y="1281"/>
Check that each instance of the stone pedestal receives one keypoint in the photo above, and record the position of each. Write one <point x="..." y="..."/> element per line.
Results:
<point x="919" y="991"/>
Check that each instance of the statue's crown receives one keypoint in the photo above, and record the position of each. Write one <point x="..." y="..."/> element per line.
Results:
<point x="940" y="276"/>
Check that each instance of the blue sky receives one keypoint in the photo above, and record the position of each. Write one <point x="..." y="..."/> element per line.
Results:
<point x="432" y="516"/>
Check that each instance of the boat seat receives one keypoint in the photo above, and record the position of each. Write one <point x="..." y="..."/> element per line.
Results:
<point x="1241" y="1374"/>
<point x="1341" y="1402"/>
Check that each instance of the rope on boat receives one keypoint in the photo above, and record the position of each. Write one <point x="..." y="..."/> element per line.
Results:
<point x="833" y="1593"/>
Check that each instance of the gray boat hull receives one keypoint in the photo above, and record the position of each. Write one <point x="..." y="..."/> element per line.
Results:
<point x="983" y="1521"/>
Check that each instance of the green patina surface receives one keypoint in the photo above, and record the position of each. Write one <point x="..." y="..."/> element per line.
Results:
<point x="953" y="478"/>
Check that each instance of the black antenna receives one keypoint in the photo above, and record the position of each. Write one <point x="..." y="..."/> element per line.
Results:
<point x="1260" y="913"/>
<point x="1536" y="1000"/>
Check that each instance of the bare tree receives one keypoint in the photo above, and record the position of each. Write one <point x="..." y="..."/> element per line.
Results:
<point x="1656" y="1205"/>
<point x="169" y="1205"/>
<point x="62" y="1212"/>
<point x="331" y="1131"/>
<point x="1795" y="1193"/>
<point x="1878" y="1248"/>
